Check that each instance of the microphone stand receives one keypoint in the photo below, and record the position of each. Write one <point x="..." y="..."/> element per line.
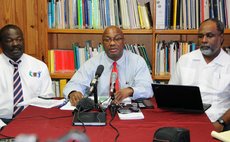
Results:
<point x="113" y="106"/>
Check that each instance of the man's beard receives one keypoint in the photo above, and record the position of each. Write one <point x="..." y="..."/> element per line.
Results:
<point x="206" y="50"/>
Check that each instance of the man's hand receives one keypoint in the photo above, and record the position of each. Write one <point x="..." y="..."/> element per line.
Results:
<point x="75" y="97"/>
<point x="122" y="94"/>
<point x="218" y="126"/>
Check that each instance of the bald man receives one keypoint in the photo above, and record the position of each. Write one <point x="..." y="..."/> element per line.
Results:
<point x="133" y="74"/>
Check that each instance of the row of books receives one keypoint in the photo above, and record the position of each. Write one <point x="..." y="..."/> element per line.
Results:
<point x="98" y="14"/>
<point x="140" y="50"/>
<point x="168" y="53"/>
<point x="69" y="60"/>
<point x="188" y="14"/>
<point x="58" y="87"/>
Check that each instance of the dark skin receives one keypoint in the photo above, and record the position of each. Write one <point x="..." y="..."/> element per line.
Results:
<point x="113" y="42"/>
<point x="12" y="43"/>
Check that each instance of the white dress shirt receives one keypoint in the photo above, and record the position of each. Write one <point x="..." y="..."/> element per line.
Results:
<point x="35" y="81"/>
<point x="213" y="80"/>
<point x="132" y="72"/>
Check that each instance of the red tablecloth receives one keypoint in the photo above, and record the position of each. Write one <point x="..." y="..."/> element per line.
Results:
<point x="54" y="123"/>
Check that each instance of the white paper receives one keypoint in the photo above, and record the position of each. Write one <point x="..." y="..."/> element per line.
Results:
<point x="223" y="136"/>
<point x="68" y="106"/>
<point x="131" y="116"/>
<point x="44" y="103"/>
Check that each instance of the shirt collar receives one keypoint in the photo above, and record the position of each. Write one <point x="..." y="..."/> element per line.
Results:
<point x="7" y="59"/>
<point x="218" y="60"/>
<point x="120" y="61"/>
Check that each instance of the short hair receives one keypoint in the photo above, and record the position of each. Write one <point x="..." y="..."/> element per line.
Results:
<point x="7" y="27"/>
<point x="220" y="25"/>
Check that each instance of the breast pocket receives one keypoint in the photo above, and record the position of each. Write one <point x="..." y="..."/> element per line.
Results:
<point x="223" y="82"/>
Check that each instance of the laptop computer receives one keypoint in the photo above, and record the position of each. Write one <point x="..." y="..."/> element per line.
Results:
<point x="179" y="98"/>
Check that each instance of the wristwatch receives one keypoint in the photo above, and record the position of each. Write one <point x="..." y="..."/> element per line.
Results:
<point x="221" y="121"/>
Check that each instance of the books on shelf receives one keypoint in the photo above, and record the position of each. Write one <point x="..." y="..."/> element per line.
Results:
<point x="58" y="87"/>
<point x="167" y="54"/>
<point x="140" y="50"/>
<point x="190" y="13"/>
<point x="98" y="14"/>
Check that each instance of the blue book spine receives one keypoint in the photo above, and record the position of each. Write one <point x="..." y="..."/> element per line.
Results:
<point x="49" y="15"/>
<point x="90" y="24"/>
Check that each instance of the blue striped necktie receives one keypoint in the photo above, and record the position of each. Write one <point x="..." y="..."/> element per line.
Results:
<point x="17" y="89"/>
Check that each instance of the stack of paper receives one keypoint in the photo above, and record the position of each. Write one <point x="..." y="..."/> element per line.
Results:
<point x="131" y="116"/>
<point x="223" y="136"/>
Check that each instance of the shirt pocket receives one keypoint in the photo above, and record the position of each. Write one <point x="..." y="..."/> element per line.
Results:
<point x="222" y="82"/>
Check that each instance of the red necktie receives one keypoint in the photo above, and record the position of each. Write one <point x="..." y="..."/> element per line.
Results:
<point x="116" y="71"/>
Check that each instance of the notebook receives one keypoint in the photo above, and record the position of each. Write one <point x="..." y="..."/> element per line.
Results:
<point x="179" y="98"/>
<point x="89" y="118"/>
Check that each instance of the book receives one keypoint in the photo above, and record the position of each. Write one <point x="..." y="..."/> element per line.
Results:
<point x="62" y="83"/>
<point x="89" y="118"/>
<point x="64" y="60"/>
<point x="223" y="136"/>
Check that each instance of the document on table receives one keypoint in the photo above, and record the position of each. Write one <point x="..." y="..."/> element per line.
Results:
<point x="131" y="116"/>
<point x="44" y="103"/>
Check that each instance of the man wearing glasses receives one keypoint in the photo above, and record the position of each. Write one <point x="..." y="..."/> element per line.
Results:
<point x="133" y="74"/>
<point x="209" y="68"/>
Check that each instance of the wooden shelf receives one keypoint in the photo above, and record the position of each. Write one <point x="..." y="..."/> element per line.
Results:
<point x="184" y="32"/>
<point x="176" y="32"/>
<point x="97" y="31"/>
<point x="161" y="77"/>
<point x="62" y="75"/>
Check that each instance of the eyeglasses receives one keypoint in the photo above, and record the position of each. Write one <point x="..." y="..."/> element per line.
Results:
<point x="108" y="40"/>
<point x="208" y="35"/>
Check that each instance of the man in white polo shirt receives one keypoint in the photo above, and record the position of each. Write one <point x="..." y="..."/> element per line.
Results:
<point x="22" y="77"/>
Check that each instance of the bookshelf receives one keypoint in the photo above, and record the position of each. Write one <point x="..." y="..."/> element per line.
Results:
<point x="32" y="17"/>
<point x="63" y="38"/>
<point x="147" y="36"/>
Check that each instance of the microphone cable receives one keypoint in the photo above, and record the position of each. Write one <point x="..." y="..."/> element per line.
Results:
<point x="113" y="110"/>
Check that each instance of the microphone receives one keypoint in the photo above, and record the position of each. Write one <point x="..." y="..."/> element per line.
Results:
<point x="113" y="81"/>
<point x="98" y="73"/>
<point x="113" y="107"/>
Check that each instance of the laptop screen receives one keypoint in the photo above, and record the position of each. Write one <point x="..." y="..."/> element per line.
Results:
<point x="178" y="97"/>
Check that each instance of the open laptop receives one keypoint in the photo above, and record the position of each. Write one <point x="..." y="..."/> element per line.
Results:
<point x="179" y="98"/>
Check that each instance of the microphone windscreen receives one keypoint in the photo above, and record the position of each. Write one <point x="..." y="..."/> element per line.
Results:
<point x="85" y="104"/>
<point x="99" y="70"/>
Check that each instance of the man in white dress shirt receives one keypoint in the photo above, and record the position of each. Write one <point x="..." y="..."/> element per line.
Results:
<point x="209" y="68"/>
<point x="133" y="74"/>
<point x="34" y="74"/>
